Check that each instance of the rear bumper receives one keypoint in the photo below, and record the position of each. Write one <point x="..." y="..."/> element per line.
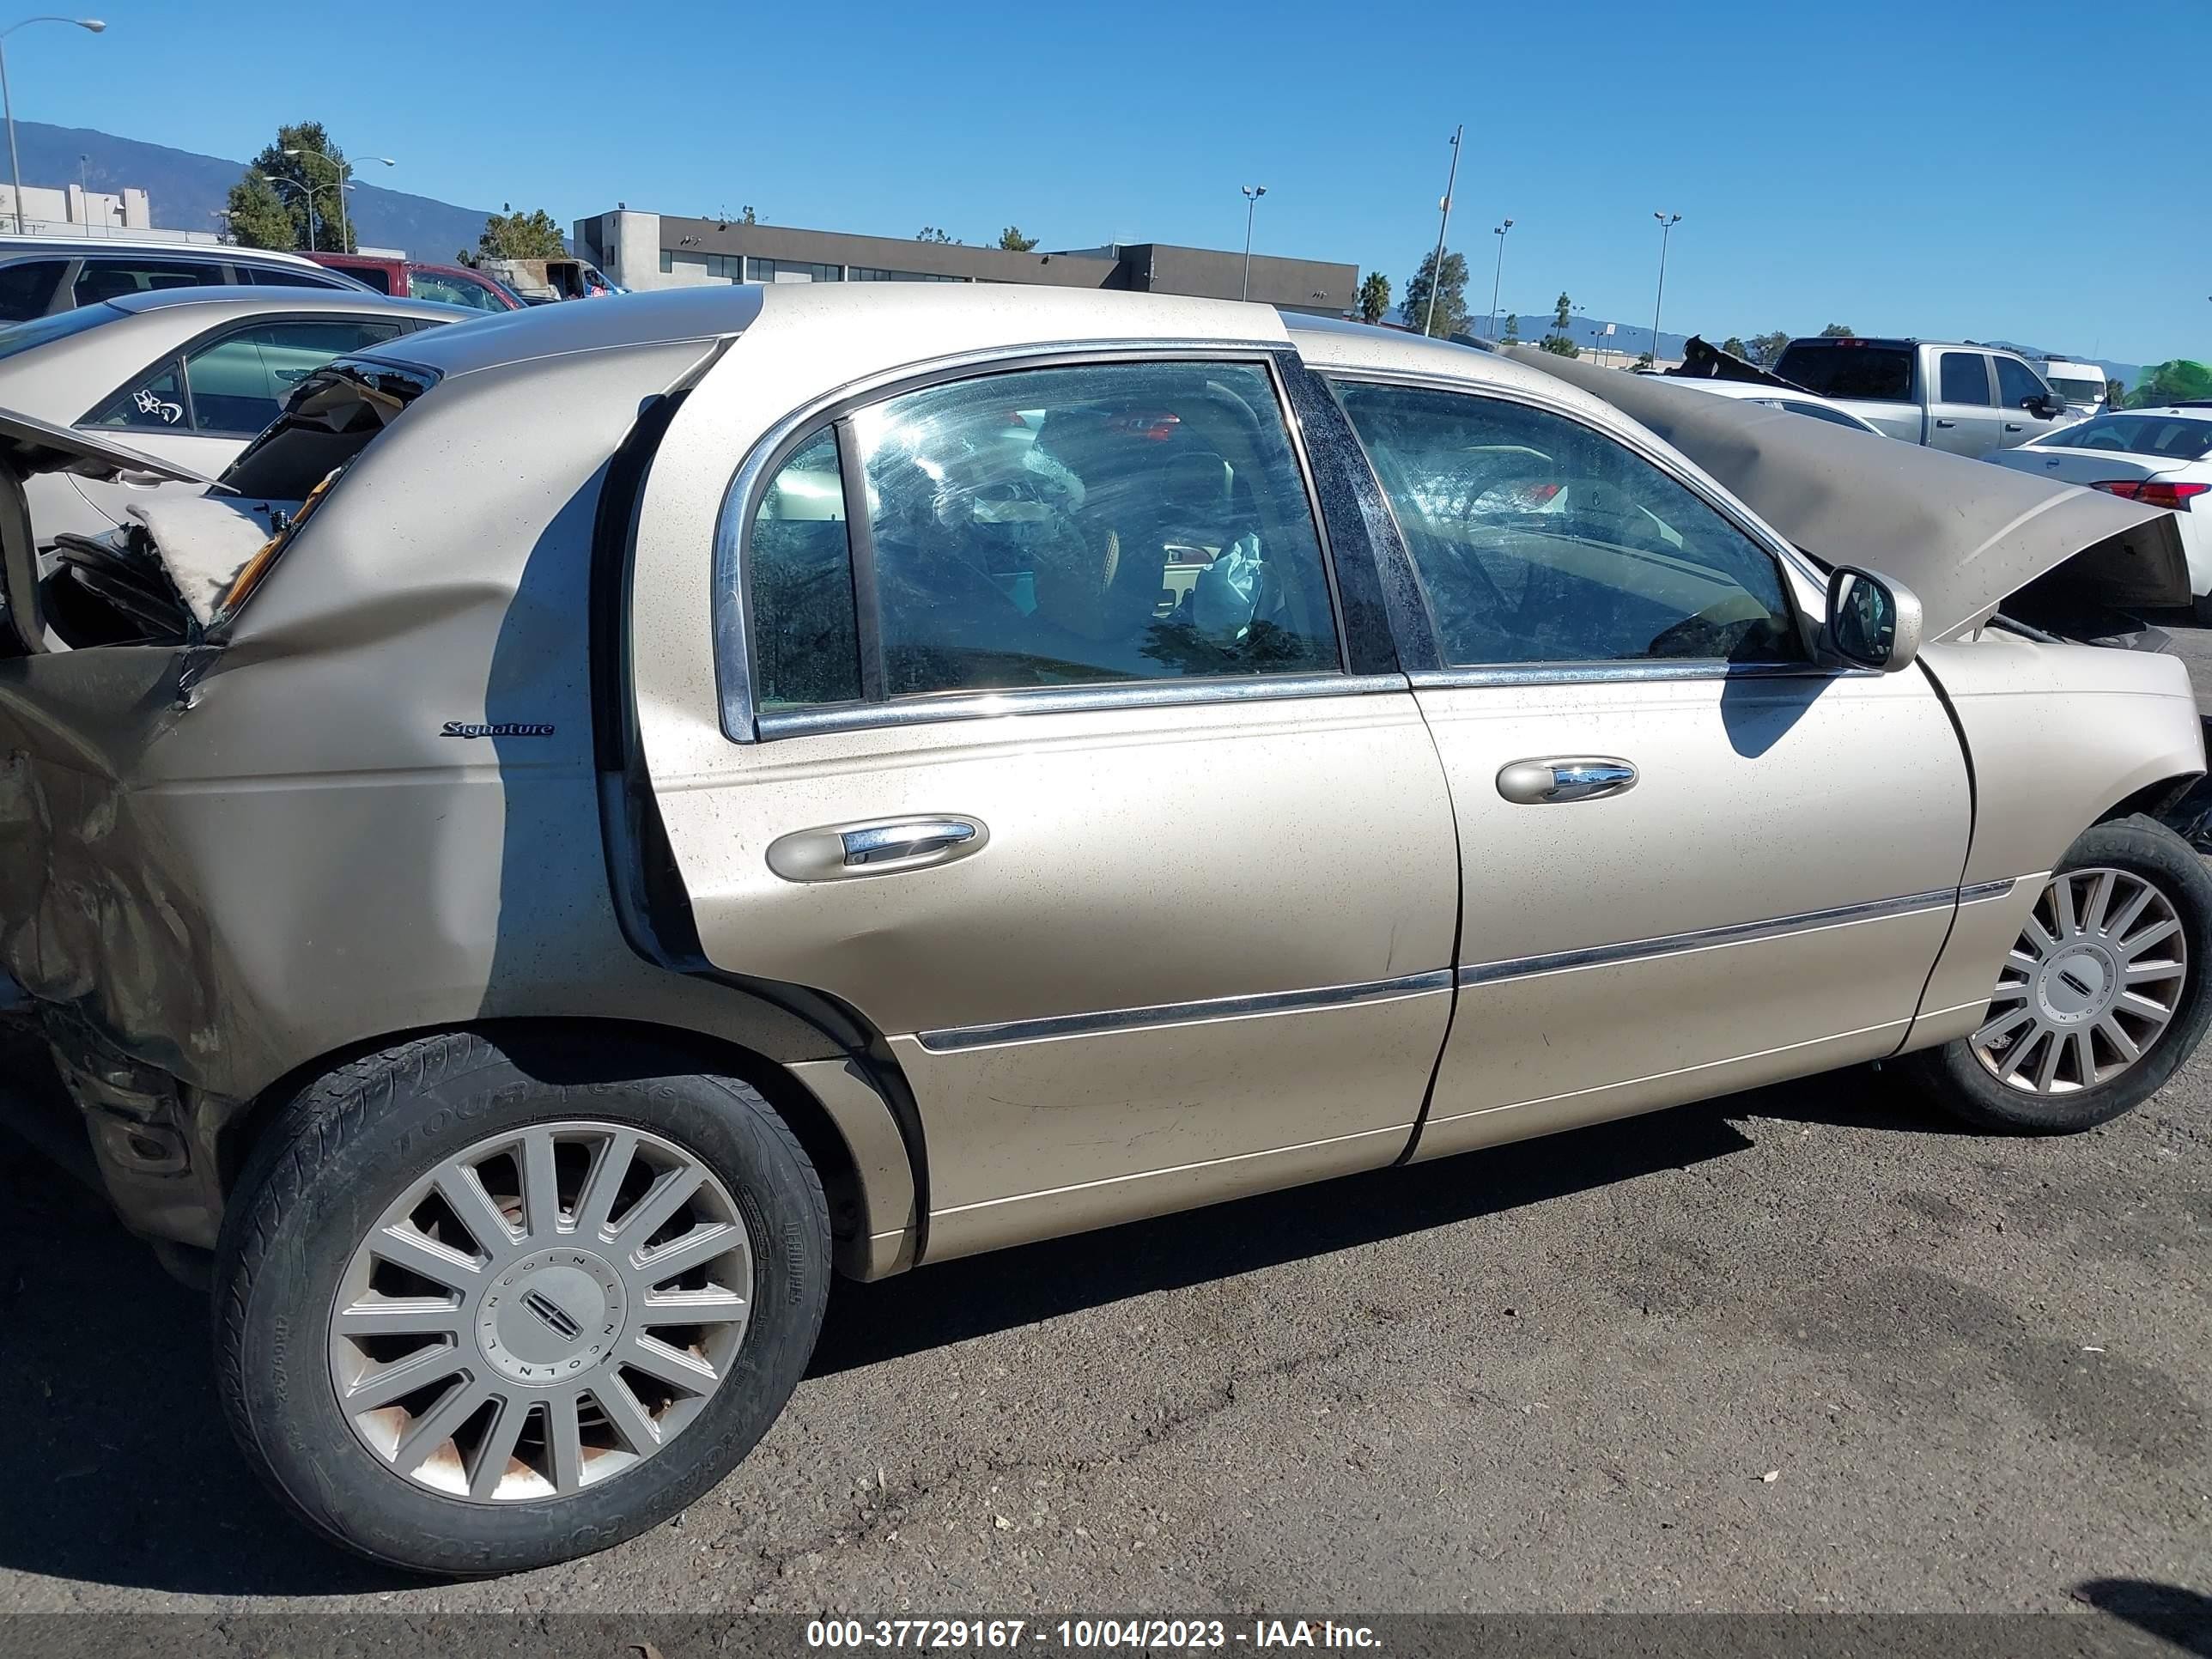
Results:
<point x="162" y="1181"/>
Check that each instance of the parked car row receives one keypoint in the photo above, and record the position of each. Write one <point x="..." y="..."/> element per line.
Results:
<point x="612" y="813"/>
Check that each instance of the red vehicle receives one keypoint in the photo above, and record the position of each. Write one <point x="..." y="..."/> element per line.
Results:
<point x="409" y="279"/>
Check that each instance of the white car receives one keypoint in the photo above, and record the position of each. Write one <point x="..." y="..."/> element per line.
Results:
<point x="188" y="376"/>
<point x="2159" y="457"/>
<point x="1797" y="403"/>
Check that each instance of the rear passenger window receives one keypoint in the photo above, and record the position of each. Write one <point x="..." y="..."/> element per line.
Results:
<point x="1053" y="526"/>
<point x="112" y="278"/>
<point x="26" y="288"/>
<point x="1964" y="378"/>
<point x="806" y="647"/>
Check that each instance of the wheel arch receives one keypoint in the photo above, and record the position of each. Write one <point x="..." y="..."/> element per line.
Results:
<point x="836" y="1107"/>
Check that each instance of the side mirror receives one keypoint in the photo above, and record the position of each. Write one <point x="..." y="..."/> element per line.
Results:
<point x="1873" y="623"/>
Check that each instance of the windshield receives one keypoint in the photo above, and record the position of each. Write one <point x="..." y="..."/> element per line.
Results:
<point x="1850" y="368"/>
<point x="44" y="331"/>
<point x="2078" y="391"/>
<point x="2170" y="436"/>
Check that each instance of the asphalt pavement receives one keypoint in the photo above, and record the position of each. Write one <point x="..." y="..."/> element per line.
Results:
<point x="1810" y="1348"/>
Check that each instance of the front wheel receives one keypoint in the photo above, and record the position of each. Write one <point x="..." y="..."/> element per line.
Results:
<point x="480" y="1310"/>
<point x="2101" y="998"/>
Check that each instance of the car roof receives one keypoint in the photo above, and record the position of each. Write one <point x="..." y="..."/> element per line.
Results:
<point x="100" y="245"/>
<point x="916" y="320"/>
<point x="269" y="296"/>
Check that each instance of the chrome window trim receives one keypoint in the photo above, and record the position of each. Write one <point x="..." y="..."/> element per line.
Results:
<point x="954" y="1039"/>
<point x="1633" y="669"/>
<point x="732" y="619"/>
<point x="1738" y="517"/>
<point x="1064" y="700"/>
<point x="1184" y="1013"/>
<point x="1705" y="938"/>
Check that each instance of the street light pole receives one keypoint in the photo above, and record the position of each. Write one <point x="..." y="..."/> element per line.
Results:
<point x="1667" y="223"/>
<point x="299" y="185"/>
<point x="7" y="100"/>
<point x="1252" y="195"/>
<point x="345" y="232"/>
<point x="1498" y="276"/>
<point x="1437" y="265"/>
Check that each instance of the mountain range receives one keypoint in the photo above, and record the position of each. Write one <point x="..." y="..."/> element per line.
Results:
<point x="186" y="190"/>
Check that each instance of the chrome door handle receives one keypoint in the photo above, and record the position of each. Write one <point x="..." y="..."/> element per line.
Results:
<point x="879" y="847"/>
<point x="1580" y="777"/>
<point x="2012" y="426"/>
<point x="1946" y="423"/>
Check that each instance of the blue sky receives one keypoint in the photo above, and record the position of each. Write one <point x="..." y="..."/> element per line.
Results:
<point x="2020" y="169"/>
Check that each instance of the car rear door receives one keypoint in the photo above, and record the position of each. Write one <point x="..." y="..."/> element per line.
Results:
<point x="1694" y="861"/>
<point x="1962" y="409"/>
<point x="1042" y="746"/>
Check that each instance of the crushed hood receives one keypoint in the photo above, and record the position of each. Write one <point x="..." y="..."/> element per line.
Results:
<point x="29" y="445"/>
<point x="1963" y="535"/>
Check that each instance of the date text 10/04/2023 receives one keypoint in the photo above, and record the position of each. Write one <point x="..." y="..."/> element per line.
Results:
<point x="1085" y="1633"/>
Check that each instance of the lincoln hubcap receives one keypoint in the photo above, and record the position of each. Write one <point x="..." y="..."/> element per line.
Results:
<point x="541" y="1312"/>
<point x="2096" y="975"/>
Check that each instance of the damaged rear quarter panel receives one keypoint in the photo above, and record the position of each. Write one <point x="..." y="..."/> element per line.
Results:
<point x="297" y="857"/>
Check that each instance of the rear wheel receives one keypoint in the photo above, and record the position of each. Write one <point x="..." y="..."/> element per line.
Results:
<point x="2100" y="999"/>
<point x="478" y="1311"/>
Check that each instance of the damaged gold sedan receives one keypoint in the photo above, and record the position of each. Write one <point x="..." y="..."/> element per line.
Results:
<point x="611" y="814"/>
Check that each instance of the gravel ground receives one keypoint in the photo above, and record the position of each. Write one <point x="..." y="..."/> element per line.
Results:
<point x="1810" y="1348"/>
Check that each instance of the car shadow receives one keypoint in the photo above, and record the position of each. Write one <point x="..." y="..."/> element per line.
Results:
<point x="119" y="1468"/>
<point x="2181" y="1617"/>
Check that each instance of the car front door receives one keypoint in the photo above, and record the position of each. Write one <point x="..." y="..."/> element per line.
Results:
<point x="2022" y="398"/>
<point x="1962" y="415"/>
<point x="1049" y="757"/>
<point x="1694" y="861"/>
<point x="199" y="408"/>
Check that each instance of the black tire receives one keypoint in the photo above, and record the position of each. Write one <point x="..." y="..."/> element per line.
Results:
<point x="2200" y="608"/>
<point x="349" y="1145"/>
<point x="1963" y="1086"/>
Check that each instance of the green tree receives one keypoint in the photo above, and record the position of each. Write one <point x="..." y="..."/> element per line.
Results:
<point x="1735" y="348"/>
<point x="512" y="235"/>
<point x="2179" y="381"/>
<point x="1374" y="296"/>
<point x="1766" y="349"/>
<point x="1560" y="341"/>
<point x="1512" y="330"/>
<point x="1644" y="359"/>
<point x="259" y="216"/>
<point x="2116" y="393"/>
<point x="1449" y="317"/>
<point x="308" y="174"/>
<point x="1012" y="240"/>
<point x="932" y="234"/>
<point x="1837" y="332"/>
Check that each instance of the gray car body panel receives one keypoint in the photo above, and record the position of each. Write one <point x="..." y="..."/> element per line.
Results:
<point x="1926" y="518"/>
<point x="377" y="800"/>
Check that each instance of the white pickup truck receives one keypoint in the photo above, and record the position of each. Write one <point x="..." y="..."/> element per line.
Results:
<point x="1967" y="398"/>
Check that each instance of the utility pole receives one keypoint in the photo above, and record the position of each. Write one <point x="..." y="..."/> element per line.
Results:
<point x="1437" y="268"/>
<point x="1252" y="195"/>
<point x="1497" y="275"/>
<point x="1667" y="223"/>
<point x="90" y="25"/>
